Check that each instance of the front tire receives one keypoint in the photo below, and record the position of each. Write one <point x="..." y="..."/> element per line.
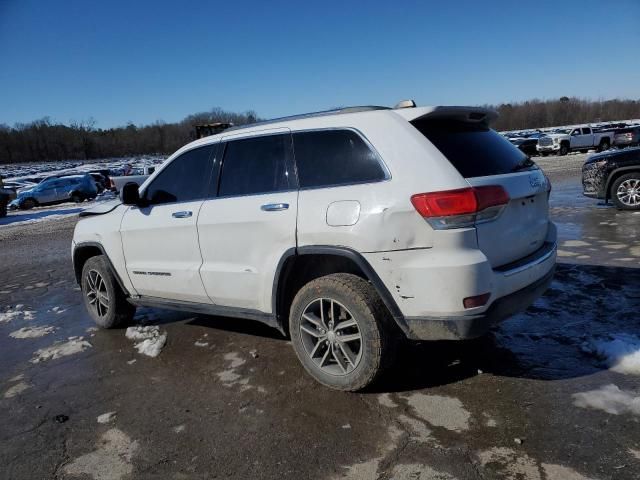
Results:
<point x="564" y="150"/>
<point x="76" y="197"/>
<point x="28" y="204"/>
<point x="341" y="331"/>
<point x="625" y="191"/>
<point x="104" y="299"/>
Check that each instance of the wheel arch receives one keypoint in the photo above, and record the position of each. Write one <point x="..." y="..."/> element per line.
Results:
<point x="614" y="175"/>
<point x="299" y="266"/>
<point x="86" y="250"/>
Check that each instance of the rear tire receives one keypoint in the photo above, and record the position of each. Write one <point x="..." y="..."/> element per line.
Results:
<point x="76" y="197"/>
<point x="604" y="145"/>
<point x="104" y="299"/>
<point x="625" y="191"/>
<point x="342" y="332"/>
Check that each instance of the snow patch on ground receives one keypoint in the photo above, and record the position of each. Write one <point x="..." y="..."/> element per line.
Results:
<point x="386" y="401"/>
<point x="610" y="399"/>
<point x="16" y="390"/>
<point x="620" y="352"/>
<point x="110" y="461"/>
<point x="32" y="332"/>
<point x="151" y="340"/>
<point x="61" y="349"/>
<point x="509" y="462"/>
<point x="106" y="417"/>
<point x="419" y="471"/>
<point x="16" y="312"/>
<point x="440" y="411"/>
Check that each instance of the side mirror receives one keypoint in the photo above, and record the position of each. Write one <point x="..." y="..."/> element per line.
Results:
<point x="129" y="194"/>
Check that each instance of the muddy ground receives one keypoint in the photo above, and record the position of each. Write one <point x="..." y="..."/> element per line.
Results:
<point x="541" y="397"/>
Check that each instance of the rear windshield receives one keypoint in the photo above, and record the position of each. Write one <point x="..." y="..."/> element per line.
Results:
<point x="474" y="149"/>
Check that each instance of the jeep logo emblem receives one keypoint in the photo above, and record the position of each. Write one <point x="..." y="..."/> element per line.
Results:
<point x="534" y="181"/>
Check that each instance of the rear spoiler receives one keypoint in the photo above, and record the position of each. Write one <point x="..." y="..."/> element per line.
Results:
<point x="464" y="114"/>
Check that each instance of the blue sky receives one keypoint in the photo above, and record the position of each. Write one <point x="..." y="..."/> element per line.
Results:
<point x="142" y="61"/>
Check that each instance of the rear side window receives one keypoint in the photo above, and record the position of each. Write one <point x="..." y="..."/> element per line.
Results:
<point x="334" y="157"/>
<point x="185" y="179"/>
<point x="474" y="149"/>
<point x="256" y="165"/>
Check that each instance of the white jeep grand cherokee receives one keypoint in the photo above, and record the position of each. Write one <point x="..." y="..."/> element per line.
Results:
<point x="344" y="229"/>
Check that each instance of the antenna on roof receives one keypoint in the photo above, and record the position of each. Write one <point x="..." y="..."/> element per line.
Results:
<point x="405" y="104"/>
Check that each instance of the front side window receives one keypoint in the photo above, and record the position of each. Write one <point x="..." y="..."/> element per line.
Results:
<point x="334" y="157"/>
<point x="185" y="179"/>
<point x="256" y="165"/>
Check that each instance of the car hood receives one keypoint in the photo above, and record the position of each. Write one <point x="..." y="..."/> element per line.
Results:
<point x="557" y="135"/>
<point x="102" y="208"/>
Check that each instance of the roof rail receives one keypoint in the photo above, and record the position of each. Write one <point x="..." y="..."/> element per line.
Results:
<point x="337" y="111"/>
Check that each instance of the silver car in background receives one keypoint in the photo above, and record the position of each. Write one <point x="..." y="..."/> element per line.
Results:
<point x="74" y="188"/>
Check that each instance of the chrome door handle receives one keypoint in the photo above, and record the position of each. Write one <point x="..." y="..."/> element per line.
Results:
<point x="274" y="207"/>
<point x="183" y="214"/>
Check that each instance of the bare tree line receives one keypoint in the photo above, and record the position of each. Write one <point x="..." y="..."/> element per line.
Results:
<point x="563" y="111"/>
<point x="45" y="140"/>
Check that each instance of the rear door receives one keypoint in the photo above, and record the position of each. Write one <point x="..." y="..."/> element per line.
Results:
<point x="486" y="158"/>
<point x="247" y="228"/>
<point x="160" y="241"/>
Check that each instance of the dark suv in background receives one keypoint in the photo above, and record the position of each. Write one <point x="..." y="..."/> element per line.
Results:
<point x="614" y="175"/>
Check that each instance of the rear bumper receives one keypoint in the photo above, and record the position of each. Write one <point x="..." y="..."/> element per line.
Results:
<point x="429" y="287"/>
<point x="467" y="327"/>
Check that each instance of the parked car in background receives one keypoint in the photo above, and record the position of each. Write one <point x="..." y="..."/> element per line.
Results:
<point x="415" y="222"/>
<point x="627" y="137"/>
<point x="75" y="188"/>
<point x="5" y="198"/>
<point x="614" y="175"/>
<point x="563" y="141"/>
<point x="102" y="182"/>
<point x="136" y="175"/>
<point x="527" y="144"/>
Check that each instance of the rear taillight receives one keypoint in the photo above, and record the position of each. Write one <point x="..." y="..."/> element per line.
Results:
<point x="461" y="208"/>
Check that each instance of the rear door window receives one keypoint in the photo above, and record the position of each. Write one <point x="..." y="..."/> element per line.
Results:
<point x="586" y="131"/>
<point x="473" y="148"/>
<point x="335" y="157"/>
<point x="256" y="165"/>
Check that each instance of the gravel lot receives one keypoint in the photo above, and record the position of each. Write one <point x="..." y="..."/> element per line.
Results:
<point x="551" y="394"/>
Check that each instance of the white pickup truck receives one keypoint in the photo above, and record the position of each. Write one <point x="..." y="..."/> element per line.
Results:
<point x="565" y="140"/>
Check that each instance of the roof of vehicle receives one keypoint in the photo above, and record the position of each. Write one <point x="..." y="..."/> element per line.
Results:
<point x="473" y="114"/>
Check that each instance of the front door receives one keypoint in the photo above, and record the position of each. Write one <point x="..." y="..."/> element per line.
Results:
<point x="247" y="228"/>
<point x="160" y="238"/>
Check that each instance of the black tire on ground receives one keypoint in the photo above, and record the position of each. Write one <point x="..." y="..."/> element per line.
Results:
<point x="604" y="145"/>
<point x="584" y="151"/>
<point x="3" y="208"/>
<point x="564" y="149"/>
<point x="628" y="183"/>
<point x="76" y="197"/>
<point x="374" y="324"/>
<point x="28" y="204"/>
<point x="544" y="154"/>
<point x="104" y="299"/>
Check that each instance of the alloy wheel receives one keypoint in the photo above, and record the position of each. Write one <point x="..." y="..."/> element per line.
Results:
<point x="97" y="293"/>
<point x="331" y="336"/>
<point x="629" y="192"/>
